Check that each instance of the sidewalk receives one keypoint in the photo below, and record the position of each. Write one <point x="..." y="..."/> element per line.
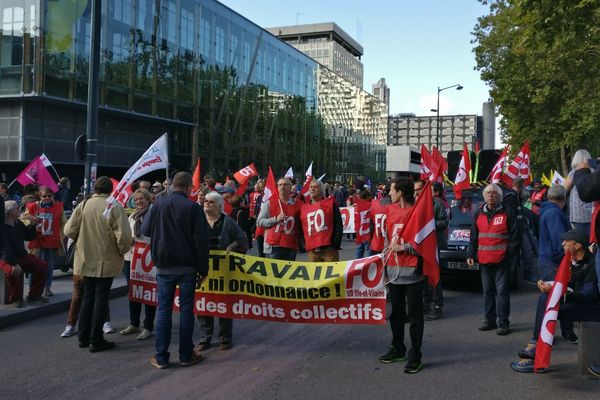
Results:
<point x="62" y="286"/>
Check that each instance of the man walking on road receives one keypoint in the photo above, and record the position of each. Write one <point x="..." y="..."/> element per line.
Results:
<point x="179" y="235"/>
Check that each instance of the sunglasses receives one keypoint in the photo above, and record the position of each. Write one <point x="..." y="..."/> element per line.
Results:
<point x="45" y="196"/>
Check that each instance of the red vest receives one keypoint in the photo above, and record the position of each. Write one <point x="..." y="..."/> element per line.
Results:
<point x="317" y="223"/>
<point x="227" y="207"/>
<point x="378" y="218"/>
<point x="395" y="221"/>
<point x="537" y="197"/>
<point x="362" y="223"/>
<point x="48" y="229"/>
<point x="493" y="238"/>
<point x="253" y="198"/>
<point x="595" y="215"/>
<point x="285" y="233"/>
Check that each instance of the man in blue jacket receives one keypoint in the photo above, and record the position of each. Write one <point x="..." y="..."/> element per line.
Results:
<point x="179" y="236"/>
<point x="553" y="223"/>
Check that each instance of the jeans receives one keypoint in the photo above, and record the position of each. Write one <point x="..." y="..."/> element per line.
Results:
<point x="50" y="256"/>
<point x="434" y="294"/>
<point x="207" y="328"/>
<point x="93" y="309"/>
<point x="167" y="283"/>
<point x="407" y="306"/>
<point x="496" y="297"/>
<point x="361" y="249"/>
<point x="567" y="314"/>
<point x="135" y="308"/>
<point x="282" y="253"/>
<point x="529" y="248"/>
<point x="260" y="246"/>
<point x="372" y="252"/>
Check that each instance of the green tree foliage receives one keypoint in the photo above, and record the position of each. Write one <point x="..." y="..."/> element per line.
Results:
<point x="541" y="59"/>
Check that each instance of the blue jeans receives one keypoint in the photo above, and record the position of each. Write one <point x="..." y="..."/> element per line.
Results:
<point x="529" y="247"/>
<point x="496" y="297"/>
<point x="167" y="283"/>
<point x="362" y="249"/>
<point x="50" y="256"/>
<point x="372" y="252"/>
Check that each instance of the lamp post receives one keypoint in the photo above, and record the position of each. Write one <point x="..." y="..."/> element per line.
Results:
<point x="437" y="111"/>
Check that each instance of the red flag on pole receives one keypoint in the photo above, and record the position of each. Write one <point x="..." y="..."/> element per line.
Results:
<point x="439" y="159"/>
<point x="271" y="194"/>
<point x="428" y="164"/>
<point x="308" y="179"/>
<point x="245" y="174"/>
<point x="196" y="182"/>
<point x="462" y="180"/>
<point x="123" y="195"/>
<point x="543" y="349"/>
<point x="36" y="172"/>
<point x="242" y="188"/>
<point x="498" y="170"/>
<point x="519" y="167"/>
<point x="419" y="231"/>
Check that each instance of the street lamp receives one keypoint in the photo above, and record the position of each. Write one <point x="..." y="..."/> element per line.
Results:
<point x="437" y="111"/>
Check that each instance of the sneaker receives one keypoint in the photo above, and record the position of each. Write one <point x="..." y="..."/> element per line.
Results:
<point x="528" y="352"/>
<point x="102" y="346"/>
<point x="437" y="313"/>
<point x="226" y="345"/>
<point x="196" y="358"/>
<point x="127" y="331"/>
<point x="594" y="369"/>
<point x="146" y="334"/>
<point x="392" y="356"/>
<point x="37" y="300"/>
<point x="48" y="292"/>
<point x="108" y="328"/>
<point x="488" y="325"/>
<point x="503" y="330"/>
<point x="571" y="337"/>
<point x="202" y="346"/>
<point x="155" y="363"/>
<point x="69" y="331"/>
<point x="524" y="365"/>
<point x="412" y="367"/>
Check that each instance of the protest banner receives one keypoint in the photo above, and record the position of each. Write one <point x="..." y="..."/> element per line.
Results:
<point x="348" y="219"/>
<point x="247" y="287"/>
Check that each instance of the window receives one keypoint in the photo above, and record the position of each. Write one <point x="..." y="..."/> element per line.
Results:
<point x="205" y="37"/>
<point x="220" y="45"/>
<point x="187" y="29"/>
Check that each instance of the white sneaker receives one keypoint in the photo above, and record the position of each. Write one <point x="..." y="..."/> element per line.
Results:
<point x="108" y="328"/>
<point x="69" y="331"/>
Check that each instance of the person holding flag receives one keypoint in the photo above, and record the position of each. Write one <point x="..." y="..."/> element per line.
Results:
<point x="578" y="300"/>
<point x="280" y="216"/>
<point x="494" y="240"/>
<point x="377" y="216"/>
<point x="322" y="225"/>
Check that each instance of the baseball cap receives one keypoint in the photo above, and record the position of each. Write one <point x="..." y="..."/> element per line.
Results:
<point x="580" y="237"/>
<point x="157" y="184"/>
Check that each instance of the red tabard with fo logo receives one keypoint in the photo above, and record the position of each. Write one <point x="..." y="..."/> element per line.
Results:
<point x="48" y="229"/>
<point x="396" y="218"/>
<point x="378" y="218"/>
<point x="253" y="198"/>
<point x="362" y="223"/>
<point x="493" y="238"/>
<point x="285" y="233"/>
<point x="317" y="223"/>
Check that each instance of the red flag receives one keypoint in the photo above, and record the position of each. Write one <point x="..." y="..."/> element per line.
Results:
<point x="543" y="349"/>
<point x="498" y="170"/>
<point x="439" y="159"/>
<point x="429" y="167"/>
<point x="308" y="179"/>
<point x="123" y="195"/>
<point x="462" y="180"/>
<point x="242" y="188"/>
<point x="519" y="167"/>
<point x="419" y="231"/>
<point x="271" y="194"/>
<point x="196" y="183"/>
<point x="245" y="174"/>
<point x="477" y="148"/>
<point x="36" y="172"/>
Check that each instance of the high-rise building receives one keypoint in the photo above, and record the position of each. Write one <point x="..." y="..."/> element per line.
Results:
<point x="382" y="91"/>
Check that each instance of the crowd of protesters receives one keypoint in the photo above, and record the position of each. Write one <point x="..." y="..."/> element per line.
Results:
<point x="513" y="226"/>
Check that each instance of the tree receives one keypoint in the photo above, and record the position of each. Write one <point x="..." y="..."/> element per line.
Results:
<point x="541" y="59"/>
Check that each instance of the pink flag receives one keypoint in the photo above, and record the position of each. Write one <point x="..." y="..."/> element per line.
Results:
<point x="543" y="349"/>
<point x="36" y="172"/>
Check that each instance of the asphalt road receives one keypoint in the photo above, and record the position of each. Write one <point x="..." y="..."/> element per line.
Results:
<point x="296" y="361"/>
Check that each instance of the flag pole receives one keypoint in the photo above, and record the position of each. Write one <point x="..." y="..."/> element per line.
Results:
<point x="12" y="183"/>
<point x="167" y="168"/>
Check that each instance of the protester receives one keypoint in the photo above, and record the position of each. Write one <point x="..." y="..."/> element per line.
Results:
<point x="434" y="295"/>
<point x="47" y="243"/>
<point x="224" y="234"/>
<point x="362" y="223"/>
<point x="281" y="234"/>
<point x="101" y="244"/>
<point x="529" y="246"/>
<point x="4" y="195"/>
<point x="405" y="277"/>
<point x="64" y="195"/>
<point x="179" y="237"/>
<point x="142" y="199"/>
<point x="539" y="195"/>
<point x="259" y="232"/>
<point x="377" y="215"/>
<point x="240" y="214"/>
<point x="156" y="188"/>
<point x="580" y="212"/>
<point x="494" y="236"/>
<point x="18" y="261"/>
<point x="321" y="225"/>
<point x="31" y="194"/>
<point x="226" y="191"/>
<point x="553" y="223"/>
<point x="581" y="300"/>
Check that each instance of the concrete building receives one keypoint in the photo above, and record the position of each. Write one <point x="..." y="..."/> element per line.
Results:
<point x="382" y="91"/>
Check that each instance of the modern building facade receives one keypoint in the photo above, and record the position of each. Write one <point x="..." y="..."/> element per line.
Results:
<point x="222" y="87"/>
<point x="382" y="91"/>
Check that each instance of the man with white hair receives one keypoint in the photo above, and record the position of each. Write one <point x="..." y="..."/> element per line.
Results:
<point x="321" y="225"/>
<point x="494" y="240"/>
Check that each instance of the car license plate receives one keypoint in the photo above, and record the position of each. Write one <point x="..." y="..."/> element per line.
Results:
<point x="462" y="265"/>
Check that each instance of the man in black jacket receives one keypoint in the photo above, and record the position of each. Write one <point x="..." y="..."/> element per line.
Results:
<point x="178" y="234"/>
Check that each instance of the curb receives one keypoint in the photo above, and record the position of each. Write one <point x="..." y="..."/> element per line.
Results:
<point x="49" y="309"/>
